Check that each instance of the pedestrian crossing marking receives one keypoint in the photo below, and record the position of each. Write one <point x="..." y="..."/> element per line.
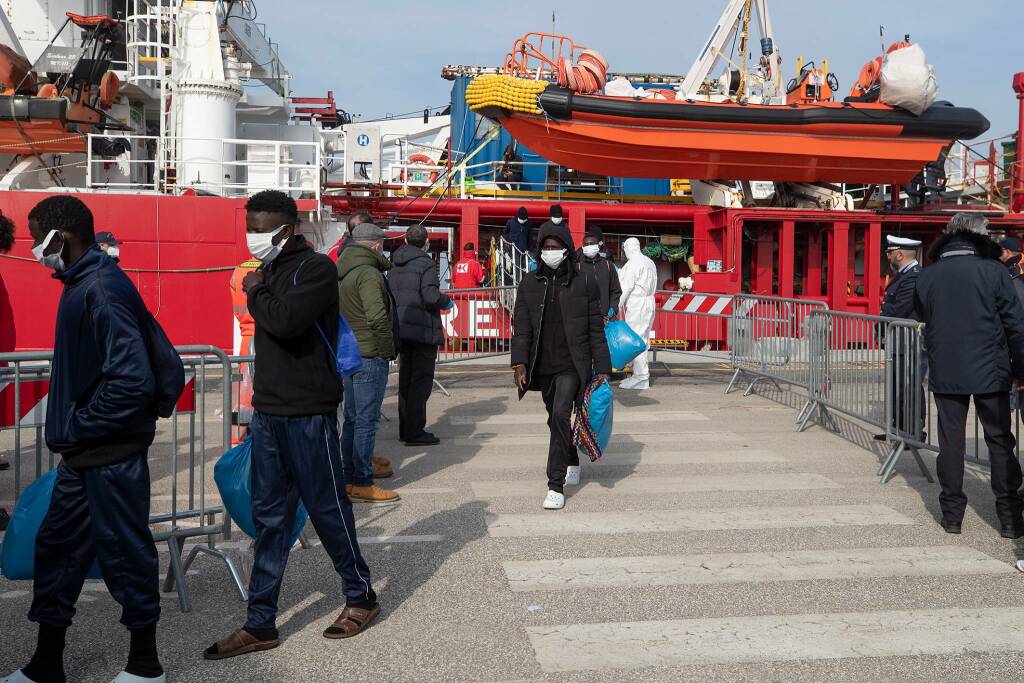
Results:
<point x="724" y="568"/>
<point x="785" y="481"/>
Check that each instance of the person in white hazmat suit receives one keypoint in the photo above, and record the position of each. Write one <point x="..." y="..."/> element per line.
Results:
<point x="639" y="280"/>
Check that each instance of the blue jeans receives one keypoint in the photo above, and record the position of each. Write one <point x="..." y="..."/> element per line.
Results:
<point x="364" y="395"/>
<point x="296" y="458"/>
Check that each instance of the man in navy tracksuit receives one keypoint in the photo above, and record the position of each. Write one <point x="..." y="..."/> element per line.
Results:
<point x="101" y="418"/>
<point x="293" y="298"/>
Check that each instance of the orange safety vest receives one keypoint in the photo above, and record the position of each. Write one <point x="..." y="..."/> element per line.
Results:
<point x="239" y="300"/>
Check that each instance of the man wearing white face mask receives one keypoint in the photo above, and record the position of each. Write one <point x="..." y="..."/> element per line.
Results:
<point x="101" y="418"/>
<point x="517" y="230"/>
<point x="293" y="299"/>
<point x="639" y="280"/>
<point x="593" y="266"/>
<point x="558" y="344"/>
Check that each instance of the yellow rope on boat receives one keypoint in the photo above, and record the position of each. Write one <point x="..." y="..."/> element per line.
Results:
<point x="505" y="92"/>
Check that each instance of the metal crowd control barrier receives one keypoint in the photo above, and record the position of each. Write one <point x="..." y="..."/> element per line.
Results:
<point x="23" y="389"/>
<point x="867" y="367"/>
<point x="693" y="323"/>
<point x="770" y="338"/>
<point x="479" y="324"/>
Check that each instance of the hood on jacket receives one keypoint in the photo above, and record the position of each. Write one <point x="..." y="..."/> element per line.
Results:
<point x="88" y="262"/>
<point x="983" y="245"/>
<point x="631" y="247"/>
<point x="407" y="253"/>
<point x="561" y="233"/>
<point x="358" y="254"/>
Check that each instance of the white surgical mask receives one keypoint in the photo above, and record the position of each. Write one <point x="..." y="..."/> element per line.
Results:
<point x="522" y="221"/>
<point x="552" y="259"/>
<point x="113" y="252"/>
<point x="557" y="221"/>
<point x="53" y="261"/>
<point x="591" y="250"/>
<point x="261" y="244"/>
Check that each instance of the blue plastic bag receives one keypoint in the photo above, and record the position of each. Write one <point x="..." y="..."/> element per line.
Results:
<point x="592" y="429"/>
<point x="233" y="474"/>
<point x="623" y="343"/>
<point x="347" y="359"/>
<point x="19" y="550"/>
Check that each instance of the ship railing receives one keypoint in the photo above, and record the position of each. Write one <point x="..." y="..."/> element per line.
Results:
<point x="511" y="263"/>
<point x="289" y="166"/>
<point x="482" y="180"/>
<point x="150" y="31"/>
<point x="186" y="512"/>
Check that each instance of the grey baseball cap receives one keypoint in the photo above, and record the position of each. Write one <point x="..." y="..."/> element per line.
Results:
<point x="368" y="232"/>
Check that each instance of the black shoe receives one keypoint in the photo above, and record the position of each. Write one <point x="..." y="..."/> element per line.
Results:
<point x="1011" y="531"/>
<point x="881" y="437"/>
<point x="5" y="519"/>
<point x="424" y="439"/>
<point x="950" y="527"/>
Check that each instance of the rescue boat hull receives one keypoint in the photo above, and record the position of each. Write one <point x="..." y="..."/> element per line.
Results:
<point x="827" y="142"/>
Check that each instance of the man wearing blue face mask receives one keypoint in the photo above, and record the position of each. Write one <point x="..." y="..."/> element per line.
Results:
<point x="100" y="417"/>
<point x="293" y="299"/>
<point x="558" y="344"/>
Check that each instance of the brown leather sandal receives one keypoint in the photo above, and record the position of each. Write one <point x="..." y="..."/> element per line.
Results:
<point x="351" y="622"/>
<point x="238" y="642"/>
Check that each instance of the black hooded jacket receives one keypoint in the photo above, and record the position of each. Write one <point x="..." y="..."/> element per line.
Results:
<point x="974" y="324"/>
<point x="579" y="304"/>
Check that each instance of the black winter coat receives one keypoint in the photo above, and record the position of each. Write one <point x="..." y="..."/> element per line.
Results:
<point x="101" y="406"/>
<point x="294" y="371"/>
<point x="518" y="234"/>
<point x="418" y="295"/>
<point x="580" y="304"/>
<point x="974" y="324"/>
<point x="1017" y="276"/>
<point x="602" y="271"/>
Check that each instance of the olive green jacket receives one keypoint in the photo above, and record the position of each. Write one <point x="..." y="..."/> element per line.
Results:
<point x="366" y="301"/>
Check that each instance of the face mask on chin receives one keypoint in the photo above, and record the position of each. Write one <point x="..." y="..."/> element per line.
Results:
<point x="261" y="244"/>
<point x="591" y="250"/>
<point x="52" y="261"/>
<point x="557" y="221"/>
<point x="552" y="258"/>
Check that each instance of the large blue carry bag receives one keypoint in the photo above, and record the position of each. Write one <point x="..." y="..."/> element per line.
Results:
<point x="233" y="474"/>
<point x="347" y="359"/>
<point x="592" y="429"/>
<point x="623" y="343"/>
<point x="19" y="550"/>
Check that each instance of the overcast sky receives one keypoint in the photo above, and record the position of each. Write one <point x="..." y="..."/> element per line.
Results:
<point x="386" y="56"/>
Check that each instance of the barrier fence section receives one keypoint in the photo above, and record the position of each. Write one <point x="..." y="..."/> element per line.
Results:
<point x="179" y="480"/>
<point x="692" y="323"/>
<point x="478" y="325"/>
<point x="771" y="338"/>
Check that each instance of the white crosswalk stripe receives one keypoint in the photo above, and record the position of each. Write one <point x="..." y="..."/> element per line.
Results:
<point x="629" y="645"/>
<point x="636" y="485"/>
<point x="797" y="565"/>
<point x="573" y="523"/>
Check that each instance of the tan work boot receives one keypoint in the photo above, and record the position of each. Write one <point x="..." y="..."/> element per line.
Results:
<point x="381" y="459"/>
<point x="381" y="468"/>
<point x="372" y="494"/>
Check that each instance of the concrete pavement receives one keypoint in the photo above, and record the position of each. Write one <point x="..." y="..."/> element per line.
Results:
<point x="711" y="544"/>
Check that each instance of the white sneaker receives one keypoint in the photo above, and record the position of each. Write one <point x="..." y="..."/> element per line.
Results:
<point x="125" y="677"/>
<point x="16" y="677"/>
<point x="554" y="501"/>
<point x="572" y="475"/>
<point x="1019" y="565"/>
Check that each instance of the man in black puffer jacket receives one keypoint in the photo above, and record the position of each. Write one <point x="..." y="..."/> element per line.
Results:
<point x="558" y="343"/>
<point x="974" y="333"/>
<point x="417" y="292"/>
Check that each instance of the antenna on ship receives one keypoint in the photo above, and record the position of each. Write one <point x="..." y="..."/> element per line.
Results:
<point x="881" y="37"/>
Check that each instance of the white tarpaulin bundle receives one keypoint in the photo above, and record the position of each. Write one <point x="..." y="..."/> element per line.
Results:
<point x="908" y="80"/>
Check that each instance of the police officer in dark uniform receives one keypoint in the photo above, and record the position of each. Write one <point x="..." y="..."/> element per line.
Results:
<point x="901" y="253"/>
<point x="1011" y="258"/>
